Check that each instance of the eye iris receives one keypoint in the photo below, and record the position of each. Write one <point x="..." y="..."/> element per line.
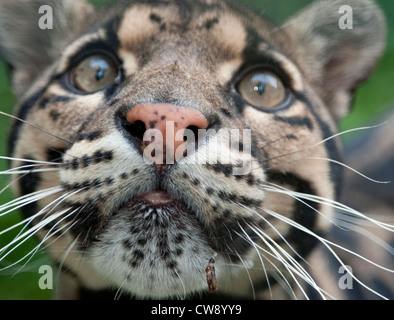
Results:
<point x="94" y="73"/>
<point x="263" y="89"/>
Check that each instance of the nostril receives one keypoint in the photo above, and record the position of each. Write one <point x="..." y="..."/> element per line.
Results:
<point x="194" y="132"/>
<point x="136" y="129"/>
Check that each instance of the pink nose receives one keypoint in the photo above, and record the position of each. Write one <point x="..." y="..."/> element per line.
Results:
<point x="171" y="121"/>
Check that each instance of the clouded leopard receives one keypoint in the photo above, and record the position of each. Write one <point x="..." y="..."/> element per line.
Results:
<point x="155" y="139"/>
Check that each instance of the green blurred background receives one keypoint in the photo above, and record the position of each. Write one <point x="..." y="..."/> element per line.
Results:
<point x="373" y="98"/>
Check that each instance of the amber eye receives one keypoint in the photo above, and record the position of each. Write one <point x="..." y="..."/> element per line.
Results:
<point x="94" y="73"/>
<point x="263" y="89"/>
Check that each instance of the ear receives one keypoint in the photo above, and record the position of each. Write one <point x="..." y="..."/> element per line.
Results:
<point x="33" y="33"/>
<point x="338" y="44"/>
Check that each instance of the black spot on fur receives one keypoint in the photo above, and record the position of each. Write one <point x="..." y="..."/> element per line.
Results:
<point x="43" y="103"/>
<point x="54" y="155"/>
<point x="248" y="202"/>
<point x="127" y="244"/>
<point x="90" y="136"/>
<point x="226" y="214"/>
<point x="210" y="23"/>
<point x="138" y="255"/>
<point x="54" y="115"/>
<point x="97" y="183"/>
<point x="295" y="121"/>
<point x="250" y="179"/>
<point x="98" y="157"/>
<point x="108" y="155"/>
<point x="142" y="241"/>
<point x="179" y="238"/>
<point x="75" y="163"/>
<point x="227" y="113"/>
<point x="226" y="169"/>
<point x="86" y="185"/>
<point x="109" y="181"/>
<point x="155" y="18"/>
<point x="221" y="195"/>
<point x="86" y="160"/>
<point x="163" y="27"/>
<point x="53" y="99"/>
<point x="172" y="264"/>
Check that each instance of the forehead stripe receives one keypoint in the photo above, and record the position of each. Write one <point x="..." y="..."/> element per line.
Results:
<point x="22" y="114"/>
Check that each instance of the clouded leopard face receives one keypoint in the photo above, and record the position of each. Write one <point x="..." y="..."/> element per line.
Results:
<point x="159" y="134"/>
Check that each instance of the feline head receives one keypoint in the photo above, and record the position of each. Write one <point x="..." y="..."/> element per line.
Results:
<point x="258" y="103"/>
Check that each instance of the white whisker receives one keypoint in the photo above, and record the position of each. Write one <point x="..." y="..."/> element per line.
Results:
<point x="29" y="160"/>
<point x="356" y="228"/>
<point x="45" y="238"/>
<point x="352" y="130"/>
<point x="28" y="198"/>
<point x="329" y="160"/>
<point x="248" y="274"/>
<point x="9" y="172"/>
<point x="26" y="235"/>
<point x="328" y="245"/>
<point x="248" y="239"/>
<point x="332" y="203"/>
<point x="35" y="127"/>
<point x="65" y="256"/>
<point x="327" y="139"/>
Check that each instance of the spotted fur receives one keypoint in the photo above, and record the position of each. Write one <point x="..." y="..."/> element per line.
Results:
<point x="190" y="54"/>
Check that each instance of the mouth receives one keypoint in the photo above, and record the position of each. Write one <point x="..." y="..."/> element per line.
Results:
<point x="157" y="198"/>
<point x="152" y="245"/>
<point x="154" y="201"/>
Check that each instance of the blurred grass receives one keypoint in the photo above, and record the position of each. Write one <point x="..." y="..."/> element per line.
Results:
<point x="372" y="98"/>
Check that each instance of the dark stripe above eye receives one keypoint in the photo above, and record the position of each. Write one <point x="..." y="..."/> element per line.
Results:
<point x="295" y="121"/>
<point x="108" y="44"/>
<point x="89" y="48"/>
<point x="253" y="56"/>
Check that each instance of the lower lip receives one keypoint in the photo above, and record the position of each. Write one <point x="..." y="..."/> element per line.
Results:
<point x="158" y="198"/>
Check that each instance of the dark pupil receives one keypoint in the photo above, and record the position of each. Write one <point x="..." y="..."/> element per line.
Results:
<point x="259" y="88"/>
<point x="100" y="74"/>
